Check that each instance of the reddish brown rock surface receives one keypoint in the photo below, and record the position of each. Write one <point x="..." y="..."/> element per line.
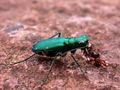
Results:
<point x="23" y="22"/>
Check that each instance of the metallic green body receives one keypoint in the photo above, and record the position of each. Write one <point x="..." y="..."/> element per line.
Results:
<point x="53" y="46"/>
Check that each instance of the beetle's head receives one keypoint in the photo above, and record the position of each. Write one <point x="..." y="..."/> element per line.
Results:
<point x="83" y="41"/>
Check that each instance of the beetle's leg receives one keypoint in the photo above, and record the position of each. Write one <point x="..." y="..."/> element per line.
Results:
<point x="42" y="53"/>
<point x="73" y="51"/>
<point x="23" y="60"/>
<point x="56" y="35"/>
<point x="58" y="55"/>
<point x="46" y="77"/>
<point x="75" y="60"/>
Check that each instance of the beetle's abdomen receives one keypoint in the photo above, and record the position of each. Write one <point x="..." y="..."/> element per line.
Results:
<point x="49" y="45"/>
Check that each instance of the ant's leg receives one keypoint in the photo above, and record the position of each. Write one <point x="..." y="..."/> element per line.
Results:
<point x="23" y="60"/>
<point x="86" y="54"/>
<point x="56" y="35"/>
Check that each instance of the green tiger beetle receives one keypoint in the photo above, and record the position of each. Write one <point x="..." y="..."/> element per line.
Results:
<point x="58" y="46"/>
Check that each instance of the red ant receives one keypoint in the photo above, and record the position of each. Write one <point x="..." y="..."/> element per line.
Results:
<point x="92" y="56"/>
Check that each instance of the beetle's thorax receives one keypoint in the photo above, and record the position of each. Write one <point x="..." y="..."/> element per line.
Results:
<point x="71" y="43"/>
<point x="78" y="42"/>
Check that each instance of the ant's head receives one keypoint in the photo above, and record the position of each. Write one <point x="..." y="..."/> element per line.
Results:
<point x="83" y="41"/>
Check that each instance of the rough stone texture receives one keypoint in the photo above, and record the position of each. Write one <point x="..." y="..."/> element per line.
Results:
<point x="23" y="22"/>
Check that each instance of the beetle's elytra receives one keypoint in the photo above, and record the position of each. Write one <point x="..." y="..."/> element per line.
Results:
<point x="52" y="46"/>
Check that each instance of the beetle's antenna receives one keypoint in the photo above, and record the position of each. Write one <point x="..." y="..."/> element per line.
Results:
<point x="23" y="60"/>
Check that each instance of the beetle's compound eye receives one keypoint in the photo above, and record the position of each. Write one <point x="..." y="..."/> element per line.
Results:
<point x="83" y="43"/>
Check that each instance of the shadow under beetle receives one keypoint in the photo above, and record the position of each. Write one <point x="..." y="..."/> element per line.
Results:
<point x="57" y="46"/>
